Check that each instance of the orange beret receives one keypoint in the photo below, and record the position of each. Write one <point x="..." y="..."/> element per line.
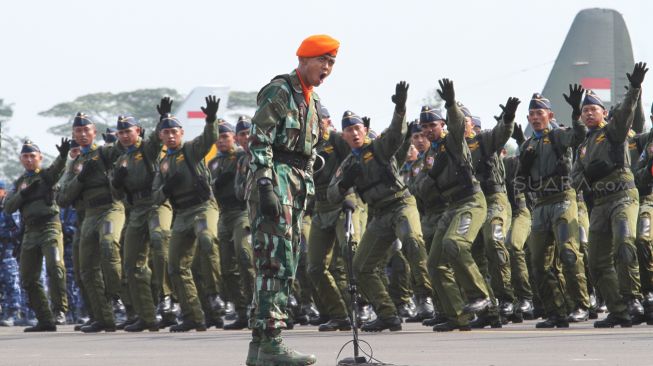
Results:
<point x="318" y="45"/>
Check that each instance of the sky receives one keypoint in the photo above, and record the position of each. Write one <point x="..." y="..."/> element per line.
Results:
<point x="55" y="51"/>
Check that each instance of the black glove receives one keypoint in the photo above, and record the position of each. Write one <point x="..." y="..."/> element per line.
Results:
<point x="211" y="109"/>
<point x="119" y="177"/>
<point x="349" y="176"/>
<point x="142" y="134"/>
<point x="574" y="99"/>
<point x="170" y="184"/>
<point x="518" y="135"/>
<point x="447" y="92"/>
<point x="366" y="122"/>
<point x="270" y="205"/>
<point x="87" y="170"/>
<point x="27" y="191"/>
<point x="508" y="111"/>
<point x="401" y="95"/>
<point x="499" y="118"/>
<point x="64" y="148"/>
<point x="526" y="160"/>
<point x="637" y="77"/>
<point x="165" y="106"/>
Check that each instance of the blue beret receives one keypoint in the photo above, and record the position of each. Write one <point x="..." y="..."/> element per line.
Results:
<point x="169" y="121"/>
<point x="349" y="119"/>
<point x="430" y="114"/>
<point x="3" y="185"/>
<point x="125" y="122"/>
<point x="465" y="110"/>
<point x="476" y="121"/>
<point x="415" y="127"/>
<point x="592" y="99"/>
<point x="243" y="124"/>
<point x="110" y="136"/>
<point x="324" y="113"/>
<point x="29" y="147"/>
<point x="539" y="102"/>
<point x="81" y="119"/>
<point x="225" y="127"/>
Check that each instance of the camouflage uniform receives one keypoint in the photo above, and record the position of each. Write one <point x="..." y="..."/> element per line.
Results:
<point x="11" y="302"/>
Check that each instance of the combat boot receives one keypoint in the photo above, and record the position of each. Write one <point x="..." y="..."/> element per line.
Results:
<point x="41" y="327"/>
<point x="578" y="316"/>
<point x="425" y="310"/>
<point x="321" y="319"/>
<point x="392" y="323"/>
<point x="636" y="311"/>
<point x="484" y="320"/>
<point x="217" y="304"/>
<point x="215" y="322"/>
<point x="405" y="310"/>
<point x="648" y="307"/>
<point x="553" y="321"/>
<point x="365" y="314"/>
<point x="188" y="325"/>
<point x="78" y="327"/>
<point x="119" y="310"/>
<point x="477" y="305"/>
<point x="335" y="324"/>
<point x="437" y="319"/>
<point x="230" y="311"/>
<point x="451" y="325"/>
<point x="613" y="320"/>
<point x="241" y="322"/>
<point x="59" y="318"/>
<point x="128" y="321"/>
<point x="140" y="325"/>
<point x="272" y="352"/>
<point x="165" y="309"/>
<point x="252" y="351"/>
<point x="97" y="327"/>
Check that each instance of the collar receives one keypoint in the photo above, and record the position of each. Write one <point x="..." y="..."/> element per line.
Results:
<point x="600" y="126"/>
<point x="30" y="173"/>
<point x="170" y="151"/>
<point x="307" y="91"/>
<point x="538" y="135"/>
<point x="87" y="149"/>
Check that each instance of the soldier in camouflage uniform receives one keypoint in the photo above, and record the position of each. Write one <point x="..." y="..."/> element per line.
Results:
<point x="33" y="196"/>
<point x="233" y="226"/>
<point x="371" y="170"/>
<point x="603" y="168"/>
<point x="545" y="162"/>
<point x="284" y="134"/>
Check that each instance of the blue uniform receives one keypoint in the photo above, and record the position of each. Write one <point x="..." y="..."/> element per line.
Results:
<point x="11" y="300"/>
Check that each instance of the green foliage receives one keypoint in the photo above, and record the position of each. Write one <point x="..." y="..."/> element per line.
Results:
<point x="239" y="99"/>
<point x="105" y="107"/>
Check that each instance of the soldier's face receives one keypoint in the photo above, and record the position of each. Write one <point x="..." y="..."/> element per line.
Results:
<point x="171" y="137"/>
<point x="315" y="69"/>
<point x="225" y="142"/>
<point x="84" y="135"/>
<point x="355" y="135"/>
<point x="469" y="126"/>
<point x="592" y="115"/>
<point x="432" y="130"/>
<point x="31" y="161"/>
<point x="412" y="153"/>
<point x="242" y="138"/>
<point x="539" y="119"/>
<point x="2" y="192"/>
<point x="129" y="136"/>
<point x="419" y="141"/>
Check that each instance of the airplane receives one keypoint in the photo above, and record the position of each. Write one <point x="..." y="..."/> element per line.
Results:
<point x="600" y="68"/>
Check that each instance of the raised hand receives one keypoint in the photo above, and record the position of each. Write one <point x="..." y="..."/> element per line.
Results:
<point x="447" y="92"/>
<point x="401" y="94"/>
<point x="574" y="99"/>
<point x="165" y="106"/>
<point x="637" y="77"/>
<point x="366" y="122"/>
<point x="508" y="111"/>
<point x="64" y="148"/>
<point x="211" y="109"/>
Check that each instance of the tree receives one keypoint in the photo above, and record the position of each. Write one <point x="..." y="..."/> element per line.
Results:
<point x="239" y="99"/>
<point x="433" y="99"/>
<point x="104" y="108"/>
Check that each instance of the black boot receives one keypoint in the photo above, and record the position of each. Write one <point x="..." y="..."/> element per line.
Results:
<point x="636" y="311"/>
<point x="127" y="322"/>
<point x="217" y="304"/>
<point x="41" y="327"/>
<point x="241" y="322"/>
<point x="578" y="316"/>
<point x="187" y="325"/>
<point x="477" y="306"/>
<point x="97" y="327"/>
<point x="484" y="320"/>
<point x="526" y="308"/>
<point x="425" y="310"/>
<point x="140" y="325"/>
<point x="321" y="319"/>
<point x="613" y="320"/>
<point x="451" y="325"/>
<point x="437" y="319"/>
<point x="165" y="309"/>
<point x="215" y="322"/>
<point x="406" y="310"/>
<point x="393" y="324"/>
<point x="553" y="321"/>
<point x="335" y="324"/>
<point x="78" y="327"/>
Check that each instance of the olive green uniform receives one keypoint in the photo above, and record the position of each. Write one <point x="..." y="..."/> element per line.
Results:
<point x="147" y="229"/>
<point x="394" y="215"/>
<point x="104" y="217"/>
<point x="603" y="167"/>
<point x="233" y="232"/>
<point x="42" y="238"/>
<point x="466" y="211"/>
<point x="644" y="240"/>
<point x="194" y="229"/>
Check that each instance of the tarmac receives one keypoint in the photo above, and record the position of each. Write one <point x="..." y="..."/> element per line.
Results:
<point x="415" y="345"/>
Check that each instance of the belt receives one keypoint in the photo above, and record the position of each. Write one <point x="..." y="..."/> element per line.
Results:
<point x="196" y="200"/>
<point x="294" y="159"/>
<point x="37" y="221"/>
<point x="546" y="193"/>
<point x="100" y="201"/>
<point x="464" y="193"/>
<point x="493" y="188"/>
<point x="139" y="195"/>
<point x="231" y="203"/>
<point x="618" y="187"/>
<point x="398" y="196"/>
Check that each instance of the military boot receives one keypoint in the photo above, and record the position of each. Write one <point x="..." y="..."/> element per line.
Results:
<point x="166" y="311"/>
<point x="392" y="323"/>
<point x="594" y="307"/>
<point x="613" y="320"/>
<point x="526" y="309"/>
<point x="241" y="322"/>
<point x="438" y="318"/>
<point x="119" y="311"/>
<point x="252" y="351"/>
<point x="217" y="304"/>
<point x="140" y="325"/>
<point x="59" y="318"/>
<point x="425" y="310"/>
<point x="553" y="321"/>
<point x="406" y="310"/>
<point x="321" y="319"/>
<point x="648" y="307"/>
<point x="230" y="311"/>
<point x="579" y="315"/>
<point x="485" y="320"/>
<point x="335" y="324"/>
<point x="97" y="327"/>
<point x="188" y="325"/>
<point x="636" y="311"/>
<point x="128" y="321"/>
<point x="451" y="325"/>
<point x="272" y="352"/>
<point x="477" y="305"/>
<point x="365" y="314"/>
<point x="78" y="327"/>
<point x="41" y="327"/>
